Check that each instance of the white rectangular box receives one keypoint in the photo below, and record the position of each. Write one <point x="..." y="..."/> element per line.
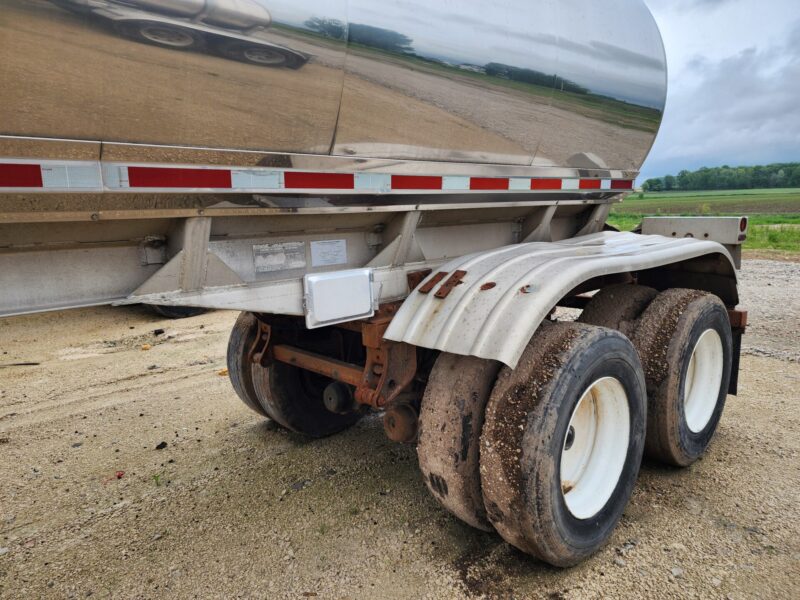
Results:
<point x="337" y="297"/>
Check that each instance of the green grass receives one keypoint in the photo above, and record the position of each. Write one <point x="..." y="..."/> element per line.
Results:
<point x="745" y="202"/>
<point x="774" y="214"/>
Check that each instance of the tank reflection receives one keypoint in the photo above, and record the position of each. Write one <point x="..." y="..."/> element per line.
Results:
<point x="568" y="83"/>
<point x="565" y="83"/>
<point x="231" y="28"/>
<point x="73" y="76"/>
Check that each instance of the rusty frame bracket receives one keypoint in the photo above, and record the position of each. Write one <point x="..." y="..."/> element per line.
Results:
<point x="738" y="319"/>
<point x="390" y="366"/>
<point x="260" y="351"/>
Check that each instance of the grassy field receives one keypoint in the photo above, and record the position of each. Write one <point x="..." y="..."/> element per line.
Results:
<point x="774" y="213"/>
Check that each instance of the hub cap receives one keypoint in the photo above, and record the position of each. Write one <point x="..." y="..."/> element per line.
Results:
<point x="595" y="447"/>
<point x="703" y="379"/>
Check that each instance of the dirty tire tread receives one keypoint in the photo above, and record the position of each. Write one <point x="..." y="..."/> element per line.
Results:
<point x="239" y="368"/>
<point x="450" y="423"/>
<point x="618" y="307"/>
<point x="526" y="419"/>
<point x="665" y="337"/>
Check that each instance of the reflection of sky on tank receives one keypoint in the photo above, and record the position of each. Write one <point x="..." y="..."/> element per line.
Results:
<point x="625" y="60"/>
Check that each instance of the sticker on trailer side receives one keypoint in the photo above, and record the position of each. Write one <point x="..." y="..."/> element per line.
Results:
<point x="327" y="253"/>
<point x="282" y="256"/>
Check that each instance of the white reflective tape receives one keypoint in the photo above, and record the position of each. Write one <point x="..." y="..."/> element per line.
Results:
<point x="455" y="183"/>
<point x="67" y="176"/>
<point x="605" y="184"/>
<point x="519" y="183"/>
<point x="55" y="176"/>
<point x="378" y="182"/>
<point x="570" y="184"/>
<point x="251" y="179"/>
<point x="115" y="177"/>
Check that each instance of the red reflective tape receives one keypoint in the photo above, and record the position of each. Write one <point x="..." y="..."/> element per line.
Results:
<point x="319" y="181"/>
<point x="488" y="183"/>
<point x="591" y="184"/>
<point x="21" y="176"/>
<point x="545" y="184"/>
<point x="621" y="184"/>
<point x="416" y="182"/>
<point x="165" y="177"/>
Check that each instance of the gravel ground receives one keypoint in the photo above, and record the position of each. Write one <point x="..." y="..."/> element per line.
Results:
<point x="128" y="468"/>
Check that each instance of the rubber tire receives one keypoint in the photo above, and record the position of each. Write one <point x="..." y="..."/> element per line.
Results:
<point x="240" y="370"/>
<point x="177" y="312"/>
<point x="527" y="418"/>
<point x="287" y="399"/>
<point x="618" y="307"/>
<point x="665" y="338"/>
<point x="236" y="51"/>
<point x="132" y="30"/>
<point x="450" y="423"/>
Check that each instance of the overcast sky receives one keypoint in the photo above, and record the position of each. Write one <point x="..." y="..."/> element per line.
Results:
<point x="734" y="80"/>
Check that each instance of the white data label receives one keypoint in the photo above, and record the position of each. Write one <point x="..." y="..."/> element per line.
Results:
<point x="327" y="253"/>
<point x="279" y="257"/>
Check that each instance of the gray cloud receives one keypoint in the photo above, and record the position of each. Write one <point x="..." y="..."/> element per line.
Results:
<point x="739" y="108"/>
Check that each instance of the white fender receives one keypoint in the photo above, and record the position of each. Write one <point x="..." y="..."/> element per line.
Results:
<point x="496" y="321"/>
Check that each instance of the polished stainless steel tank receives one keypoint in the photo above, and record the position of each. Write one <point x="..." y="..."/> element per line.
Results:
<point x="534" y="84"/>
<point x="236" y="14"/>
<point x="183" y="8"/>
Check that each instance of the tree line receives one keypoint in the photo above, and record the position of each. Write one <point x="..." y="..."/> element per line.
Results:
<point x="779" y="175"/>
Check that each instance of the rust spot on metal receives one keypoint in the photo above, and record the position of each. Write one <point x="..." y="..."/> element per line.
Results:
<point x="426" y="289"/>
<point x="567" y="487"/>
<point x="452" y="282"/>
<point x="526" y="289"/>
<point x="488" y="286"/>
<point x="416" y="277"/>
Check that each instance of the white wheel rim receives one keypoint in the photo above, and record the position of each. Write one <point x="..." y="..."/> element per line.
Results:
<point x="703" y="379"/>
<point x="595" y="447"/>
<point x="167" y="36"/>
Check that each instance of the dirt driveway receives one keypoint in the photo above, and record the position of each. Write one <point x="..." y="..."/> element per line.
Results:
<point x="136" y="473"/>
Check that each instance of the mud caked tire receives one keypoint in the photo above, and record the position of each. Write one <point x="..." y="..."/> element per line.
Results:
<point x="684" y="340"/>
<point x="450" y="424"/>
<point x="618" y="307"/>
<point x="525" y="438"/>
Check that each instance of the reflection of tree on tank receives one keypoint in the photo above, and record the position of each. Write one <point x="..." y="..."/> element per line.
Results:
<point x="228" y="27"/>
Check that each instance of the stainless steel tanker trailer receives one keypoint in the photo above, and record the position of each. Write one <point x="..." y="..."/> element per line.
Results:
<point x="397" y="222"/>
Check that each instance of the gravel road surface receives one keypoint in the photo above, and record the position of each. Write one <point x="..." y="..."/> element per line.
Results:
<point x="128" y="468"/>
